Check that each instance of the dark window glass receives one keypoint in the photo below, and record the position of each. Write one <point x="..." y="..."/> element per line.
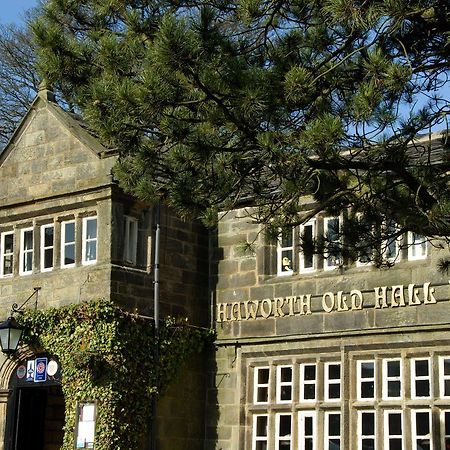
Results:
<point x="395" y="444"/>
<point x="261" y="426"/>
<point x="263" y="376"/>
<point x="309" y="391"/>
<point x="308" y="246"/>
<point x="260" y="445"/>
<point x="422" y="388"/>
<point x="368" y="423"/>
<point x="334" y="391"/>
<point x="367" y="389"/>
<point x="368" y="444"/>
<point x="308" y="426"/>
<point x="308" y="444"/>
<point x="421" y="367"/>
<point x="310" y="372"/>
<point x="393" y="368"/>
<point x="9" y="243"/>
<point x="48" y="236"/>
<point x="262" y="394"/>
<point x="69" y="254"/>
<point x="334" y="425"/>
<point x="286" y="374"/>
<point x="395" y="424"/>
<point x="286" y="393"/>
<point x="69" y="232"/>
<point x="335" y="444"/>
<point x="367" y="370"/>
<point x="447" y="388"/>
<point x="285" y="425"/>
<point x="422" y="423"/>
<point x="334" y="372"/>
<point x="447" y="423"/>
<point x="394" y="388"/>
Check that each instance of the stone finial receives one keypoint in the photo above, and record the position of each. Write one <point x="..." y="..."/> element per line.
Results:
<point x="45" y="91"/>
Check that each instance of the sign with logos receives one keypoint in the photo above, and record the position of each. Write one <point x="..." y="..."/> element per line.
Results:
<point x="40" y="370"/>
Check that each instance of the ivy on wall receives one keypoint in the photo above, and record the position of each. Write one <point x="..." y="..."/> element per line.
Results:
<point x="107" y="356"/>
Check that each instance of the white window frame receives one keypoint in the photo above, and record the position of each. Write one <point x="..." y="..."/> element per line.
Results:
<point x="387" y="378"/>
<point x="280" y="250"/>
<point x="3" y="255"/>
<point x="397" y="241"/>
<point x="414" y="435"/>
<point x="24" y="252"/>
<point x="415" y="378"/>
<point x="443" y="435"/>
<point x="85" y="240"/>
<point x="442" y="376"/>
<point x="302" y="269"/>
<point x="285" y="438"/>
<point x="326" y="432"/>
<point x="64" y="243"/>
<point x="131" y="240"/>
<point x="302" y="416"/>
<point x="49" y="247"/>
<point x="280" y="383"/>
<point x="361" y="380"/>
<point x="332" y="381"/>
<point x="304" y="382"/>
<point x="417" y="250"/>
<point x="361" y="436"/>
<point x="257" y="438"/>
<point x="387" y="436"/>
<point x="326" y="221"/>
<point x="257" y="385"/>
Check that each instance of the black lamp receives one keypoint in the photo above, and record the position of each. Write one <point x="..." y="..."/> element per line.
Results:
<point x="10" y="334"/>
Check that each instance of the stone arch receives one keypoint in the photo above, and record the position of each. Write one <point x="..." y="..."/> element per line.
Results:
<point x="10" y="364"/>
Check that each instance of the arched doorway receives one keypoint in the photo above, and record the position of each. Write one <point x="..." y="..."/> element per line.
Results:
<point x="35" y="414"/>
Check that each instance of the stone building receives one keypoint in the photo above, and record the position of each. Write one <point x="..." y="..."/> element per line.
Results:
<point x="69" y="234"/>
<point x="324" y="353"/>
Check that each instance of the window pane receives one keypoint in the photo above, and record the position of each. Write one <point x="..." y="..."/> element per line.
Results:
<point x="285" y="425"/>
<point x="286" y="239"/>
<point x="9" y="243"/>
<point x="395" y="444"/>
<point x="69" y="232"/>
<point x="335" y="444"/>
<point x="262" y="394"/>
<point x="69" y="254"/>
<point x="48" y="236"/>
<point x="393" y="368"/>
<point x="422" y="423"/>
<point x="286" y="260"/>
<point x="395" y="424"/>
<point x="261" y="445"/>
<point x="91" y="228"/>
<point x="48" y="258"/>
<point x="286" y="393"/>
<point x="286" y="374"/>
<point x="308" y="426"/>
<point x="28" y="240"/>
<point x="28" y="262"/>
<point x="334" y="391"/>
<point x="309" y="391"/>
<point x="368" y="423"/>
<point x="367" y="369"/>
<point x="394" y="389"/>
<point x="91" y="251"/>
<point x="368" y="444"/>
<point x="367" y="389"/>
<point x="261" y="426"/>
<point x="334" y="372"/>
<point x="421" y="367"/>
<point x="310" y="372"/>
<point x="263" y="376"/>
<point x="8" y="265"/>
<point x="447" y="422"/>
<point x="422" y="388"/>
<point x="334" y="425"/>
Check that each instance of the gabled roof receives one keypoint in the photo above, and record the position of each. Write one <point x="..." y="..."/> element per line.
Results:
<point x="70" y="121"/>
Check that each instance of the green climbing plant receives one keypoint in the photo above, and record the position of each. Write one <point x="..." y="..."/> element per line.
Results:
<point x="107" y="355"/>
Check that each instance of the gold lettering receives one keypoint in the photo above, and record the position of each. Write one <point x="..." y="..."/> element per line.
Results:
<point x="428" y="294"/>
<point x="342" y="302"/>
<point x="266" y="307"/>
<point x="291" y="301"/>
<point x="397" y="296"/>
<point x="356" y="295"/>
<point x="251" y="309"/>
<point x="413" y="295"/>
<point x="381" y="297"/>
<point x="236" y="311"/>
<point x="222" y="315"/>
<point x="305" y="304"/>
<point x="328" y="307"/>
<point x="279" y="303"/>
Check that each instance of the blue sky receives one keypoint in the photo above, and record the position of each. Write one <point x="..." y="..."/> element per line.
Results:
<point x="12" y="11"/>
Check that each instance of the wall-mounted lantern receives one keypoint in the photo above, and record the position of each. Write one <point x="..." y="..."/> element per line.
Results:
<point x="10" y="334"/>
<point x="10" y="330"/>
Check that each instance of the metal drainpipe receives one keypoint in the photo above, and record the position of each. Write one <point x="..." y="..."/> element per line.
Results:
<point x="156" y="317"/>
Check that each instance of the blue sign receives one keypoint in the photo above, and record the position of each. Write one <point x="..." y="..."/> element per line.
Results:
<point x="30" y="370"/>
<point x="40" y="370"/>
